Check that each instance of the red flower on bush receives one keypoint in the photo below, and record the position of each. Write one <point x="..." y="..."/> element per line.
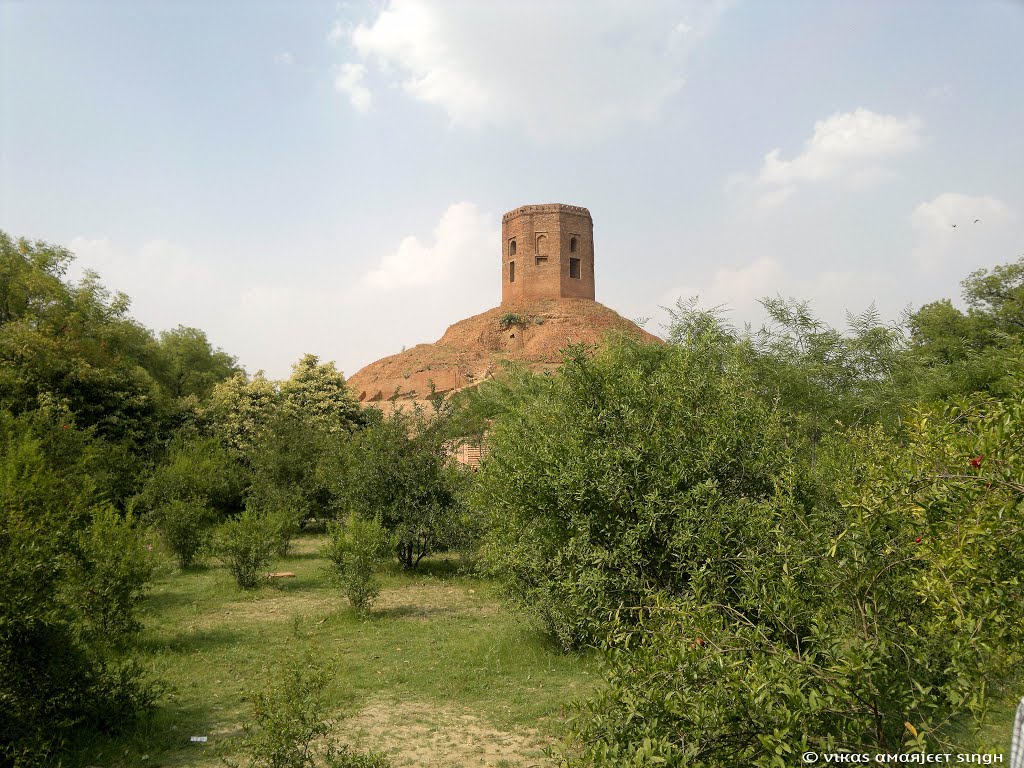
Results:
<point x="917" y="540"/>
<point x="976" y="461"/>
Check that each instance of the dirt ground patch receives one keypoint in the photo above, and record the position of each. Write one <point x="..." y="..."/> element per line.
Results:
<point x="428" y="736"/>
<point x="425" y="601"/>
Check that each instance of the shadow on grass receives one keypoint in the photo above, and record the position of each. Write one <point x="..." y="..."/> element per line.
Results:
<point x="411" y="612"/>
<point x="164" y="734"/>
<point x="293" y="555"/>
<point x="166" y="600"/>
<point x="442" y="567"/>
<point x="190" y="642"/>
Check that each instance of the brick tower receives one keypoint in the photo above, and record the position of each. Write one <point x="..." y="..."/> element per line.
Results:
<point x="547" y="252"/>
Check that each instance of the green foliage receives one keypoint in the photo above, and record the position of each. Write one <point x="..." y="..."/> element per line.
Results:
<point x="997" y="296"/>
<point x="509" y="319"/>
<point x="968" y="352"/>
<point x="399" y="471"/>
<point x="74" y="346"/>
<point x="287" y="464"/>
<point x="246" y="545"/>
<point x="113" y="569"/>
<point x="357" y="549"/>
<point x="191" y="367"/>
<point x="238" y="408"/>
<point x="197" y="484"/>
<point x="185" y="526"/>
<point x="890" y="605"/>
<point x="72" y="575"/>
<point x="317" y="393"/>
<point x="822" y="376"/>
<point x="289" y="720"/>
<point x="634" y="471"/>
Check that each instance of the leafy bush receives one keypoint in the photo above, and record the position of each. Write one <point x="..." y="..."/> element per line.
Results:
<point x="509" y="319"/>
<point x="246" y="545"/>
<point x="289" y="721"/>
<point x="627" y="474"/>
<point x="862" y="626"/>
<point x="185" y="527"/>
<point x="399" y="469"/>
<point x="199" y="469"/>
<point x="282" y="507"/>
<point x="113" y="570"/>
<point x="357" y="549"/>
<point x="72" y="574"/>
<point x="287" y="482"/>
<point x="198" y="483"/>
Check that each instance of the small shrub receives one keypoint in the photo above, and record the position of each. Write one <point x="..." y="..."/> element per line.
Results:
<point x="113" y="570"/>
<point x="184" y="525"/>
<point x="246" y="544"/>
<point x="289" y="716"/>
<point x="509" y="319"/>
<point x="357" y="548"/>
<point x="283" y="507"/>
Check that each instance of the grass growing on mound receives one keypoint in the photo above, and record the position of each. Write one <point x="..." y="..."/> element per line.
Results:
<point x="439" y="671"/>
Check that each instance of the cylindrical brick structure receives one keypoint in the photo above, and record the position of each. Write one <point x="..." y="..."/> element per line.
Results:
<point x="547" y="252"/>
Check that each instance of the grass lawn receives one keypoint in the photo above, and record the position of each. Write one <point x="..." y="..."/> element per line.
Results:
<point x="440" y="674"/>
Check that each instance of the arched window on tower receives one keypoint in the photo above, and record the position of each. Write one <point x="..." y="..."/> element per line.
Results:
<point x="512" y="247"/>
<point x="572" y="245"/>
<point x="542" y="249"/>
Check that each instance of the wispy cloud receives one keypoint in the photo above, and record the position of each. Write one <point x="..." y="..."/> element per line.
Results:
<point x="349" y="80"/>
<point x="553" y="72"/>
<point x="851" y="148"/>
<point x="958" y="226"/>
<point x="461" y="239"/>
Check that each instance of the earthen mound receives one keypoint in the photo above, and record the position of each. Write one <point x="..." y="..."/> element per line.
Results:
<point x="532" y="334"/>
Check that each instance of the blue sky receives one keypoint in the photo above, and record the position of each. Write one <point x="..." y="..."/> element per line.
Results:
<point x="330" y="177"/>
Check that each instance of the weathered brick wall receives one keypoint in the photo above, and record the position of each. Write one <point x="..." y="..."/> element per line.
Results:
<point x="543" y="236"/>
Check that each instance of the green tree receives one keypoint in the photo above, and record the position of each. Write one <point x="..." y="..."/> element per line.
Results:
<point x="997" y="295"/>
<point x="964" y="352"/>
<point x="239" y="408"/>
<point x="198" y="483"/>
<point x="400" y="472"/>
<point x="635" y="469"/>
<point x="317" y="393"/>
<point x="73" y="572"/>
<point x="191" y="365"/>
<point x="246" y="544"/>
<point x="75" y="345"/>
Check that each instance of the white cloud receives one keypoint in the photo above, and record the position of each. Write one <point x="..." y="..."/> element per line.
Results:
<point x="284" y="58"/>
<point x="849" y="147"/>
<point x="171" y="261"/>
<point x="951" y="210"/>
<point x="149" y="274"/>
<point x="958" y="226"/>
<point x="735" y="289"/>
<point x="337" y="32"/>
<point x="349" y="79"/>
<point x="463" y="237"/>
<point x="738" y="291"/>
<point x="555" y="71"/>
